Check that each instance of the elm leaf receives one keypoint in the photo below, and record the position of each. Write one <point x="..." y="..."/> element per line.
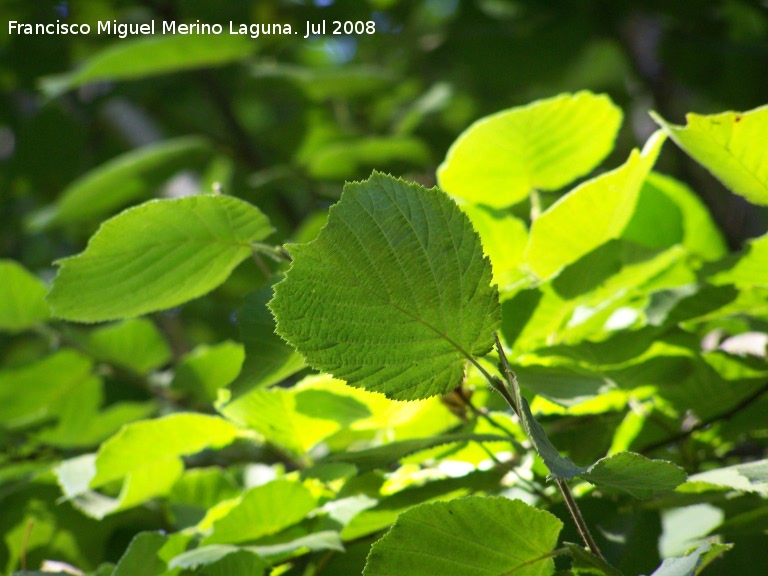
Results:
<point x="156" y="256"/>
<point x="394" y="295"/>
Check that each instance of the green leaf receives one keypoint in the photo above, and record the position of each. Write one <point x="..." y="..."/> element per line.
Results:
<point x="394" y="295"/>
<point x="132" y="175"/>
<point x="139" y="444"/>
<point x="131" y="59"/>
<point x="34" y="392"/>
<point x="468" y="536"/>
<point x="748" y="270"/>
<point x="593" y="213"/>
<point x="729" y="145"/>
<point x="221" y="560"/>
<point x="141" y="557"/>
<point x="207" y="368"/>
<point x="328" y="82"/>
<point x="546" y="145"/>
<point x="669" y="213"/>
<point x="22" y="298"/>
<point x="156" y="256"/>
<point x="504" y="238"/>
<point x="296" y="418"/>
<point x="750" y="477"/>
<point x="346" y="159"/>
<point x="587" y="564"/>
<point x="686" y="565"/>
<point x="134" y="344"/>
<point x="382" y="456"/>
<point x="324" y="540"/>
<point x="635" y="474"/>
<point x="268" y="359"/>
<point x="261" y="511"/>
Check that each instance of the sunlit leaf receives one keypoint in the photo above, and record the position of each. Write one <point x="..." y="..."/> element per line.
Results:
<point x="156" y="255"/>
<point x="468" y="536"/>
<point x="545" y="145"/>
<point x="750" y="269"/>
<point x="394" y="296"/>
<point x="593" y="213"/>
<point x="207" y="368"/>
<point x="730" y="145"/>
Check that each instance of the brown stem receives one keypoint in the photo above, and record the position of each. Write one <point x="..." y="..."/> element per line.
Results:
<point x="578" y="519"/>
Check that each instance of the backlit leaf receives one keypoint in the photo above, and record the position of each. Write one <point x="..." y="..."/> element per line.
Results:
<point x="156" y="256"/>
<point x="731" y="146"/>
<point x="394" y="296"/>
<point x="546" y="145"/>
<point x="593" y="213"/>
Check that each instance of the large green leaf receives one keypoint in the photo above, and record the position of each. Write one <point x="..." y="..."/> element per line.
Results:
<point x="22" y="303"/>
<point x="546" y="145"/>
<point x="635" y="474"/>
<point x="493" y="536"/>
<point x="394" y="295"/>
<point x="593" y="213"/>
<point x="114" y="184"/>
<point x="731" y="146"/>
<point x="131" y="59"/>
<point x="155" y="256"/>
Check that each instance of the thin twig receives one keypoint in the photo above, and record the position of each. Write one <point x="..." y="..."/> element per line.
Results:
<point x="727" y="415"/>
<point x="578" y="519"/>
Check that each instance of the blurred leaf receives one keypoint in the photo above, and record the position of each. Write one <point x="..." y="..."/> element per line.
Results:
<point x="314" y="542"/>
<point x="130" y="176"/>
<point x="221" y="560"/>
<point x="749" y="477"/>
<point x="142" y="443"/>
<point x="587" y="564"/>
<point x="347" y="159"/>
<point x="545" y="145"/>
<point x="143" y="57"/>
<point x="207" y="368"/>
<point x="748" y="270"/>
<point x="635" y="474"/>
<point x="268" y="358"/>
<point x="728" y="145"/>
<point x="331" y="82"/>
<point x="472" y="535"/>
<point x="688" y="565"/>
<point x="396" y="264"/>
<point x="22" y="298"/>
<point x="33" y="392"/>
<point x="593" y="213"/>
<point x="383" y="456"/>
<point x="141" y="556"/>
<point x="153" y="265"/>
<point x="134" y="344"/>
<point x="255" y="514"/>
